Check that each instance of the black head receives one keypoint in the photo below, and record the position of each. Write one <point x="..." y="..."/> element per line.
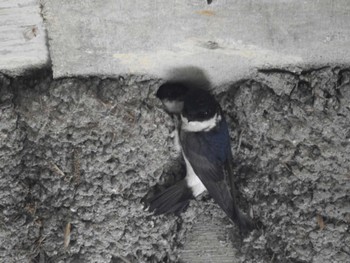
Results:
<point x="200" y="105"/>
<point x="172" y="91"/>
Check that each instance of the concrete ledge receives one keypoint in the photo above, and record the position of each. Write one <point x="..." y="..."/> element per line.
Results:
<point x="22" y="37"/>
<point x="228" y="40"/>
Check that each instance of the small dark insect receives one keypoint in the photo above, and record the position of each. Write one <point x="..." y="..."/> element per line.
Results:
<point x="31" y="32"/>
<point x="209" y="1"/>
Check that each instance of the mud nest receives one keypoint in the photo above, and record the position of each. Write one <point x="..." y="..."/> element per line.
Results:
<point x="78" y="155"/>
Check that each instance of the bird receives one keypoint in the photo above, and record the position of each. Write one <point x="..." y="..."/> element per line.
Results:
<point x="206" y="149"/>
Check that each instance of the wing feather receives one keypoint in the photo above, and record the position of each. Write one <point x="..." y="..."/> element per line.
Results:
<point x="209" y="154"/>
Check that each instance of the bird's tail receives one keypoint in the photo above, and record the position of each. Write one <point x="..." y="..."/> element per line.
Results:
<point x="244" y="223"/>
<point x="228" y="203"/>
<point x="174" y="199"/>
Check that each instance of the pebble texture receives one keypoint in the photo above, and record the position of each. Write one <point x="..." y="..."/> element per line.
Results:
<point x="78" y="155"/>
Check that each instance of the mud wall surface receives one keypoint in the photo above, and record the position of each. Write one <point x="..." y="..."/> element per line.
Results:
<point x="78" y="155"/>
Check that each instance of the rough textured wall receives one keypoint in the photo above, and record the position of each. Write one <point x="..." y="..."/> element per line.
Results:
<point x="293" y="162"/>
<point x="86" y="151"/>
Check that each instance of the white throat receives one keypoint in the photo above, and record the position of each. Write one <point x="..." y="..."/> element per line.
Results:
<point x="197" y="126"/>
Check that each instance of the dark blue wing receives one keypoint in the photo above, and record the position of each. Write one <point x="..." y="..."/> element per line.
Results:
<point x="209" y="154"/>
<point x="207" y="151"/>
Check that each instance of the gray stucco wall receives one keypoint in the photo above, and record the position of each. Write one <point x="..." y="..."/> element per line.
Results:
<point x="87" y="151"/>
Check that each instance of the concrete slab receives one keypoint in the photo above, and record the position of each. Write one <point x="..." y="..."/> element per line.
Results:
<point x="226" y="39"/>
<point x="22" y="36"/>
<point x="209" y="241"/>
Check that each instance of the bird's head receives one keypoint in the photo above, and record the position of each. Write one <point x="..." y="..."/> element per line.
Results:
<point x="172" y="95"/>
<point x="201" y="111"/>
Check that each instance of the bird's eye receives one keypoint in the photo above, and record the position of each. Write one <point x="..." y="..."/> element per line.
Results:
<point x="203" y="114"/>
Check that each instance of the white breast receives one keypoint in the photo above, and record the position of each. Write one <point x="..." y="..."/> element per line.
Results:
<point x="192" y="179"/>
